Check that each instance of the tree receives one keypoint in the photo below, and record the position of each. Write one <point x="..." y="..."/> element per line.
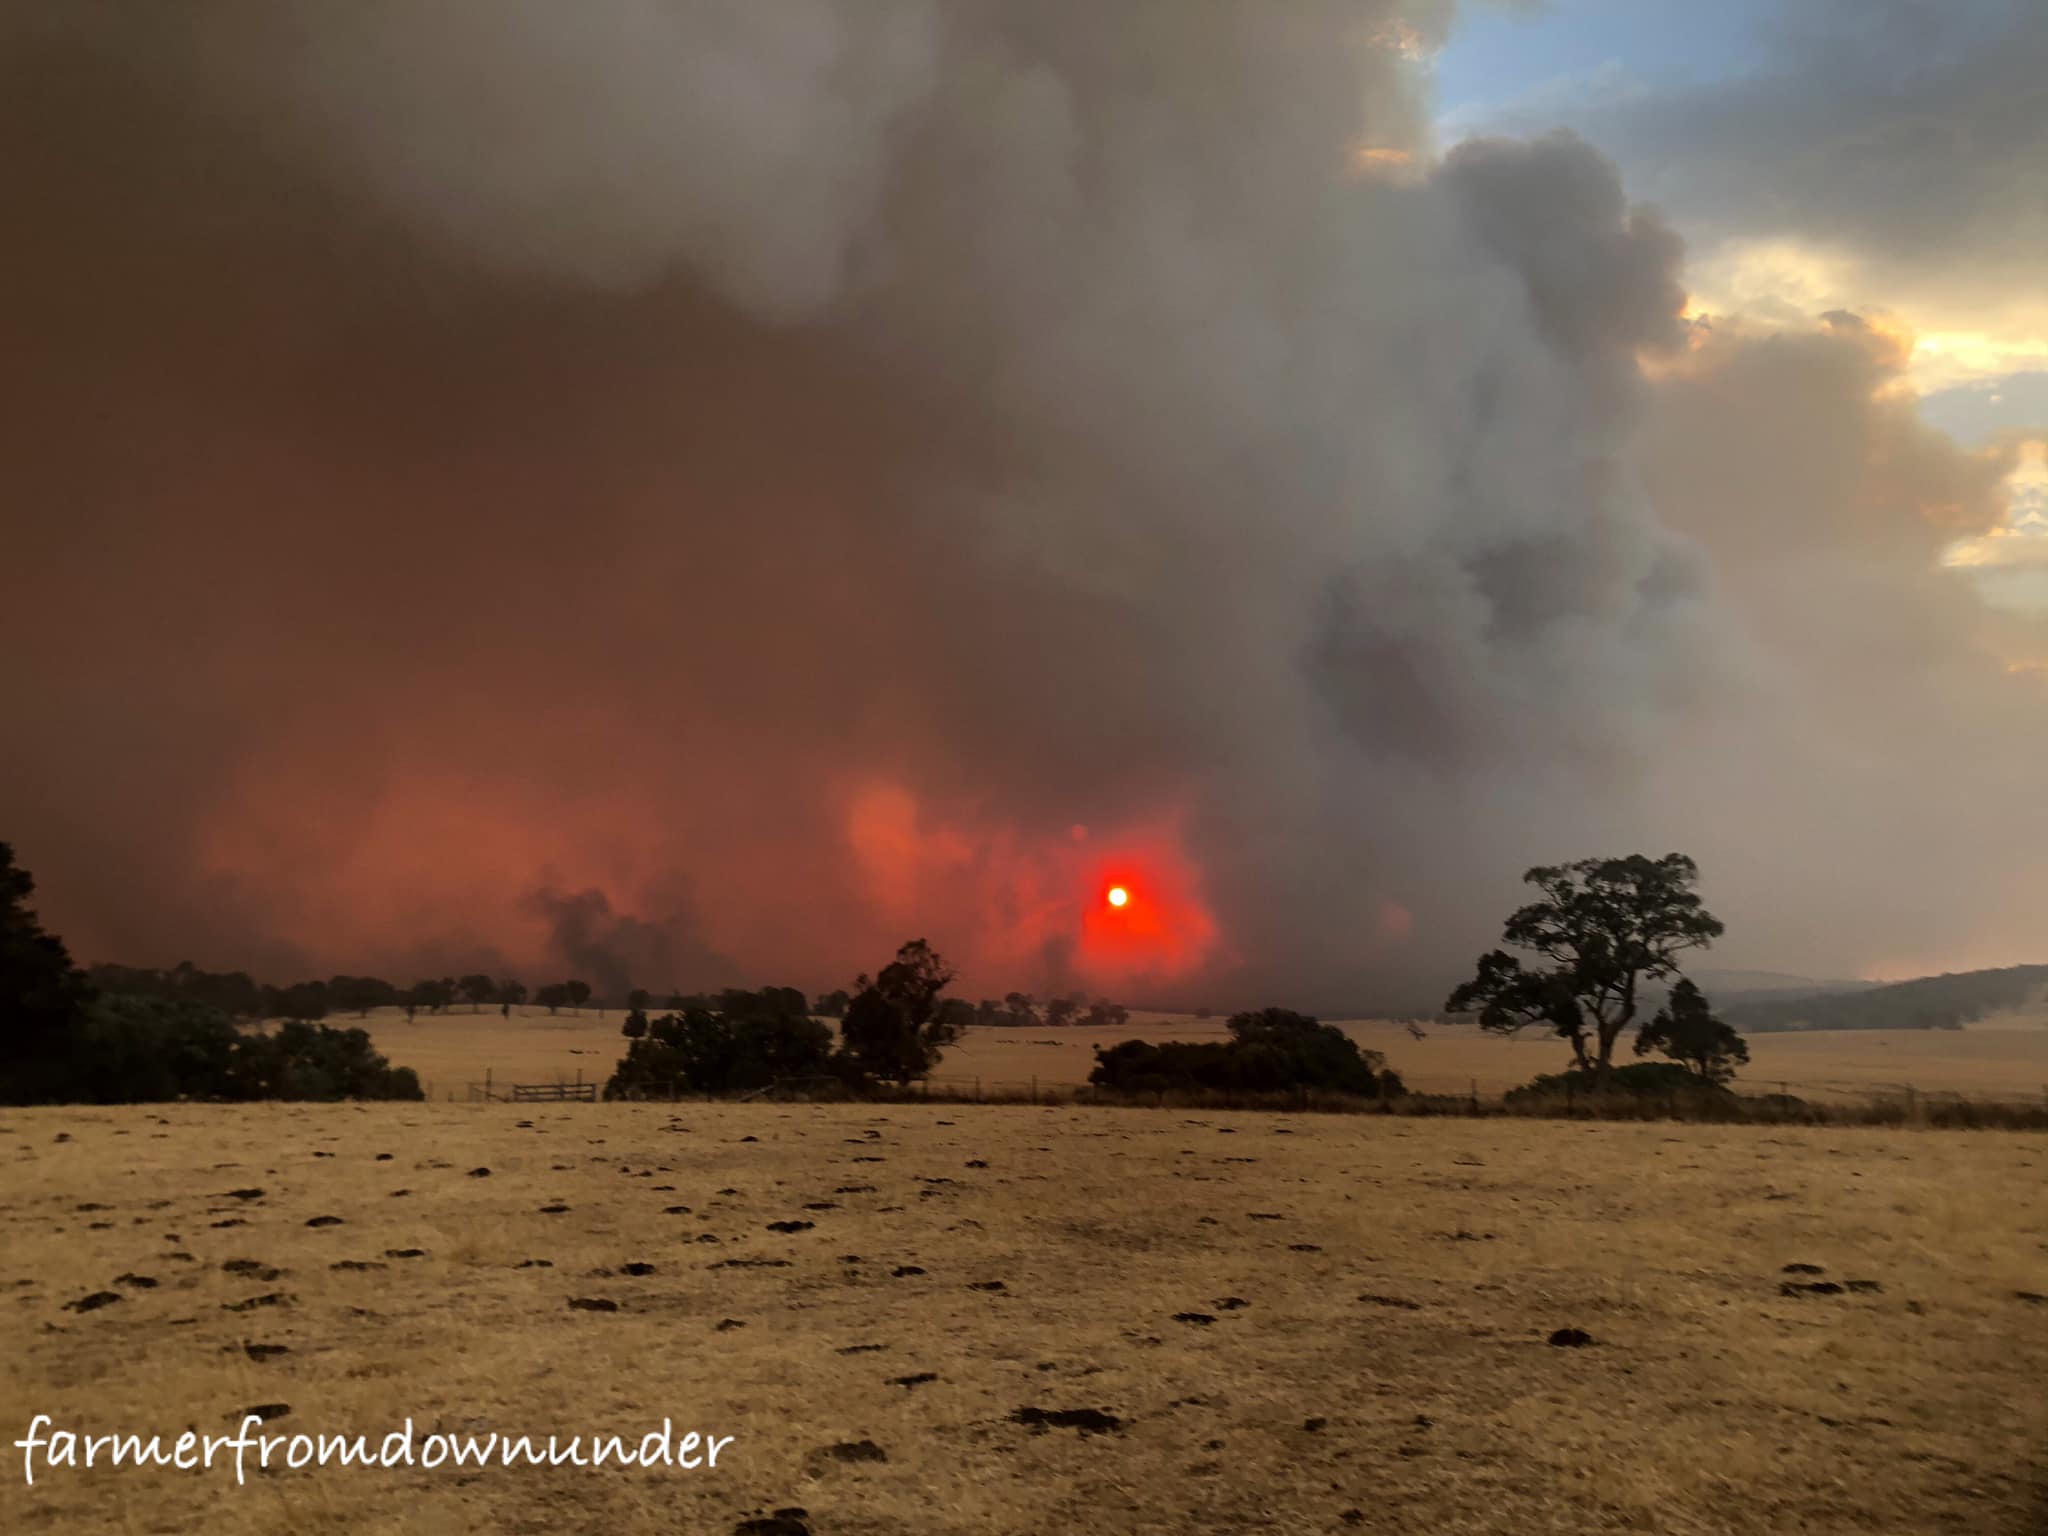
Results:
<point x="431" y="995"/>
<point x="893" y="1028"/>
<point x="576" y="993"/>
<point x="316" y="1061"/>
<point x="1687" y="1032"/>
<point x="43" y="996"/>
<point x="479" y="989"/>
<point x="359" y="994"/>
<point x="553" y="996"/>
<point x="1278" y="1048"/>
<point x="1605" y="926"/>
<point x="751" y="1041"/>
<point x="1108" y="1015"/>
<point x="305" y="1001"/>
<point x="832" y="1005"/>
<point x="635" y="1027"/>
<point x="639" y="1000"/>
<point x="1060" y="1011"/>
<point x="1020" y="1009"/>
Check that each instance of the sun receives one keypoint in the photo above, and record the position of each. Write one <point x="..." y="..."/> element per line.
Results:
<point x="1118" y="896"/>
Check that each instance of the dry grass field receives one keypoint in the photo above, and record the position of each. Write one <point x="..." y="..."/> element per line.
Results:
<point x="1284" y="1324"/>
<point x="453" y="1049"/>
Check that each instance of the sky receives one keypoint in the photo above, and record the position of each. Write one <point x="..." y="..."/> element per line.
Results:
<point x="686" y="492"/>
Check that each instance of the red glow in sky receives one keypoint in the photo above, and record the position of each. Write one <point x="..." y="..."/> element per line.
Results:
<point x="1012" y="899"/>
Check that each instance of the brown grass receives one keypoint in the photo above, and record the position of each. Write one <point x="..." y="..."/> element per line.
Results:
<point x="1708" y="1402"/>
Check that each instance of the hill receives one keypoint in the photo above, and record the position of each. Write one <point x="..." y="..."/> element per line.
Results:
<point x="1947" y="1001"/>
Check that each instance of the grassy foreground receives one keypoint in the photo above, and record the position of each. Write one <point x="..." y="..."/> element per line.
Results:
<point x="1289" y="1324"/>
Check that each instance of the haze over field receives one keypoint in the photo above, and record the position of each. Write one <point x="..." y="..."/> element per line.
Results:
<point x="688" y="494"/>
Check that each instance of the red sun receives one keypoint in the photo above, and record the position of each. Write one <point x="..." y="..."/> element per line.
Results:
<point x="1118" y="896"/>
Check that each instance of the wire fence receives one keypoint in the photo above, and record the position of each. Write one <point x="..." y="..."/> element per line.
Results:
<point x="1787" y="1099"/>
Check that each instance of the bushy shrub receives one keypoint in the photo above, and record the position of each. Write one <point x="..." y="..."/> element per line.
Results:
<point x="1272" y="1050"/>
<point x="1642" y="1079"/>
<point x="754" y="1039"/>
<point x="140" y="1050"/>
<point x="318" y="1061"/>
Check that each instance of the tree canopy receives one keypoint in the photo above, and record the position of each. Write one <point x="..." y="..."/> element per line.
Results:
<point x="1604" y="927"/>
<point x="43" y="995"/>
<point x="893" y="1028"/>
<point x="1687" y="1032"/>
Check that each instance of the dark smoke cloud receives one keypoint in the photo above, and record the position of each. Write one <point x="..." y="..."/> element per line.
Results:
<point x="779" y="480"/>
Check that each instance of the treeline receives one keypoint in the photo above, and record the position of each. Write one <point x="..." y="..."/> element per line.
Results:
<point x="1015" y="1010"/>
<point x="70" y="1039"/>
<point x="1947" y="1001"/>
<point x="892" y="1028"/>
<point x="240" y="996"/>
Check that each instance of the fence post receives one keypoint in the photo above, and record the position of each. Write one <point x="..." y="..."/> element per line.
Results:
<point x="1034" y="1087"/>
<point x="487" y="1085"/>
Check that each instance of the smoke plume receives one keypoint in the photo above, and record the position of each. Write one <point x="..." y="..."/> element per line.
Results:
<point x="702" y="492"/>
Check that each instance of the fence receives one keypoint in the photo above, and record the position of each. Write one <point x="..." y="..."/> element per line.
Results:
<point x="491" y="1092"/>
<point x="1775" y="1099"/>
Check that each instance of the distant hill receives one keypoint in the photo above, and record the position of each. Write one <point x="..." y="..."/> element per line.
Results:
<point x="1750" y="986"/>
<point x="1948" y="1001"/>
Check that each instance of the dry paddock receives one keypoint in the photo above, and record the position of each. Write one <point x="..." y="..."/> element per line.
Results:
<point x="1256" y="1323"/>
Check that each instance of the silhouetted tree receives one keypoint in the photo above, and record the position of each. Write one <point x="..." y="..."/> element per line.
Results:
<point x="148" y="1049"/>
<point x="434" y="996"/>
<point x="1060" y="1011"/>
<point x="43" y="996"/>
<point x="1108" y="1015"/>
<point x="639" y="1000"/>
<point x="553" y="996"/>
<point x="316" y="1061"/>
<point x="305" y="1001"/>
<point x="576" y="993"/>
<point x="359" y="994"/>
<point x="832" y="1005"/>
<point x="752" y="1040"/>
<point x="479" y="989"/>
<point x="511" y="992"/>
<point x="892" y="1027"/>
<point x="1021" y="1009"/>
<point x="635" y="1026"/>
<point x="1604" y="926"/>
<point x="1687" y="1032"/>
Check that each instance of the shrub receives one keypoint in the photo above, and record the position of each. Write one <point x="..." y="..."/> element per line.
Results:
<point x="1660" y="1080"/>
<point x="751" y="1041"/>
<point x="1269" y="1051"/>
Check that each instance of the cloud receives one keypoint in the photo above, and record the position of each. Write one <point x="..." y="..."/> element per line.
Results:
<point x="1889" y="154"/>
